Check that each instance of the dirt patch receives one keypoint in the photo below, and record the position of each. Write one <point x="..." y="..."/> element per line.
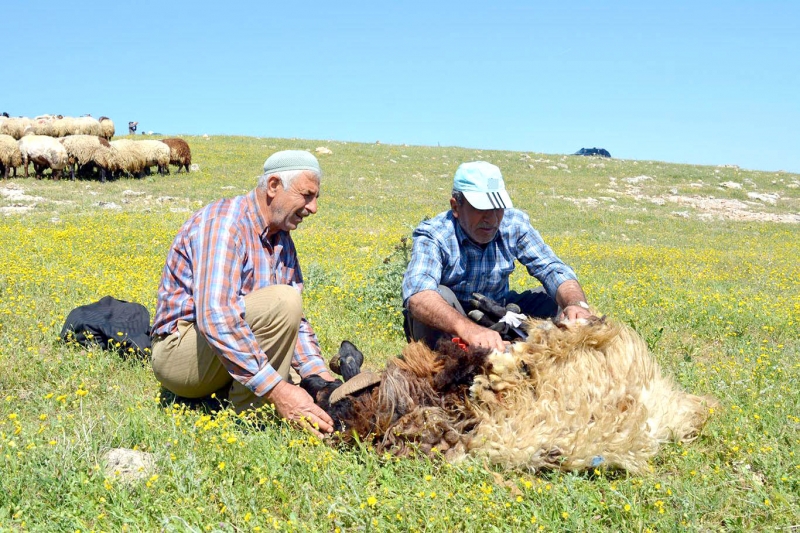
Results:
<point x="724" y="209"/>
<point x="15" y="193"/>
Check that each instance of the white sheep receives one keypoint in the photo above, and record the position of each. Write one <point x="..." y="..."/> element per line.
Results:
<point x="107" y="128"/>
<point x="86" y="126"/>
<point x="10" y="156"/>
<point x="15" y="126"/>
<point x="155" y="153"/>
<point x="42" y="151"/>
<point x="127" y="158"/>
<point x="135" y="156"/>
<point x="44" y="125"/>
<point x="84" y="150"/>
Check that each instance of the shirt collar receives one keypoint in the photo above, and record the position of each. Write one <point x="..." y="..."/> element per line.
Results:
<point x="256" y="216"/>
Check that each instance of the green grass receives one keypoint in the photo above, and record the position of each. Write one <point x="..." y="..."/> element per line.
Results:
<point x="717" y="299"/>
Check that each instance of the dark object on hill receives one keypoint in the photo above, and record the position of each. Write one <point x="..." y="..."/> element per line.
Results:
<point x="593" y="151"/>
<point x="110" y="323"/>
<point x="132" y="127"/>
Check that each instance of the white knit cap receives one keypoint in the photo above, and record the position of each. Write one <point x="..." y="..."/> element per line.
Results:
<point x="291" y="160"/>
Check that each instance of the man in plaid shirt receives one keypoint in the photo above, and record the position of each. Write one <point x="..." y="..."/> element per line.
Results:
<point x="229" y="317"/>
<point x="471" y="249"/>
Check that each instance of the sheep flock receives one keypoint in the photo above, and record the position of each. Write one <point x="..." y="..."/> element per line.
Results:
<point x="83" y="146"/>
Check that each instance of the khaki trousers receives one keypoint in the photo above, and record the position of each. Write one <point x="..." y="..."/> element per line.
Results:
<point x="186" y="365"/>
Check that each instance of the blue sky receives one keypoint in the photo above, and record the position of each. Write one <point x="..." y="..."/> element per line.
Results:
<point x="693" y="82"/>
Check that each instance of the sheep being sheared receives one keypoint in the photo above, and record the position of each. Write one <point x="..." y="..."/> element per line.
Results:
<point x="567" y="398"/>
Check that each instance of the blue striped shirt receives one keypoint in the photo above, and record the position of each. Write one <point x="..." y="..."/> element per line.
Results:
<point x="443" y="254"/>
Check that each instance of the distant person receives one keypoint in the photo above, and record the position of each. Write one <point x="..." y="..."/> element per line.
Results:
<point x="132" y="127"/>
<point x="471" y="249"/>
<point x="229" y="316"/>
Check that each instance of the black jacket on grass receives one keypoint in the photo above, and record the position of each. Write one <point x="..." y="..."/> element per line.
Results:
<point x="112" y="324"/>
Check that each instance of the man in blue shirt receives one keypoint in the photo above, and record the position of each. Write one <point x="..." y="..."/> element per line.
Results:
<point x="471" y="249"/>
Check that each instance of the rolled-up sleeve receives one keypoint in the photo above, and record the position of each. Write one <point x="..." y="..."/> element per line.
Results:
<point x="424" y="271"/>
<point x="540" y="260"/>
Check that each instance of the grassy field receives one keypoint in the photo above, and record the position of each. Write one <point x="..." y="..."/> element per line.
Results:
<point x="702" y="261"/>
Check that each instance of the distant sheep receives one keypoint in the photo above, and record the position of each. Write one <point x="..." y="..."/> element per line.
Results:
<point x="84" y="150"/>
<point x="15" y="126"/>
<point x="179" y="153"/>
<point x="64" y="126"/>
<point x="10" y="156"/>
<point x="135" y="156"/>
<point x="573" y="398"/>
<point x="44" y="125"/>
<point x="128" y="158"/>
<point x="156" y="154"/>
<point x="43" y="152"/>
<point x="107" y="128"/>
<point x="86" y="126"/>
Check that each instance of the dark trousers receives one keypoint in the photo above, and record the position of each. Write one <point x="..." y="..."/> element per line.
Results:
<point x="535" y="303"/>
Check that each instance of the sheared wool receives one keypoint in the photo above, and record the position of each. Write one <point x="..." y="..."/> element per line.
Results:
<point x="579" y="397"/>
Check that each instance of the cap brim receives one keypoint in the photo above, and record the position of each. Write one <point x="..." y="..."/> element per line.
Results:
<point x="488" y="200"/>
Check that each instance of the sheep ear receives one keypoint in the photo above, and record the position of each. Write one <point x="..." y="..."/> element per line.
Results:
<point x="347" y="363"/>
<point x="348" y="348"/>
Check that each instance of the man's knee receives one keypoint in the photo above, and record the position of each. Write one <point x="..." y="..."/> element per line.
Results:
<point x="274" y="306"/>
<point x="535" y="303"/>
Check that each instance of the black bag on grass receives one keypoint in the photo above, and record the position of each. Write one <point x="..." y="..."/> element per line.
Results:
<point x="112" y="324"/>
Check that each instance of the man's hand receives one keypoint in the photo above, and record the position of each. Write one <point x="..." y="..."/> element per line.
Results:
<point x="474" y="335"/>
<point x="572" y="300"/>
<point x="573" y="312"/>
<point x="293" y="403"/>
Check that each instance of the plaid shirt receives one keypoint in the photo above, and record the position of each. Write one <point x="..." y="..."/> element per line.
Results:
<point x="221" y="254"/>
<point x="444" y="255"/>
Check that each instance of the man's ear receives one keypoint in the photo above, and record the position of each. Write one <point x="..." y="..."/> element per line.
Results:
<point x="454" y="207"/>
<point x="274" y="184"/>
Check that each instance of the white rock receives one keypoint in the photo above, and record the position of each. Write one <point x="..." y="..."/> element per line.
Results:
<point x="731" y="185"/>
<point x="769" y="198"/>
<point x="323" y="150"/>
<point x="637" y="179"/>
<point x="128" y="465"/>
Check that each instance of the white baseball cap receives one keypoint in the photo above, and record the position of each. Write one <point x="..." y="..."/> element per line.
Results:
<point x="482" y="185"/>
